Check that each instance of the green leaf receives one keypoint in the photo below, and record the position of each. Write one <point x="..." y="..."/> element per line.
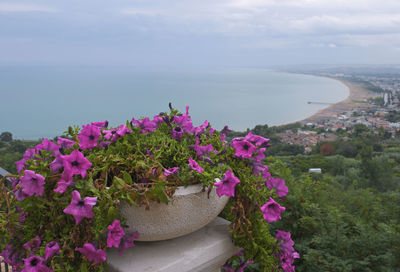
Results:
<point x="118" y="183"/>
<point x="127" y="177"/>
<point x="158" y="191"/>
<point x="84" y="268"/>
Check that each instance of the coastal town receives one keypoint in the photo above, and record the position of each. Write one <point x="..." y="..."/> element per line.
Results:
<point x="373" y="102"/>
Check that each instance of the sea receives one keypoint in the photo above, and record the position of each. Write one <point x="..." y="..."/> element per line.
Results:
<point x="42" y="101"/>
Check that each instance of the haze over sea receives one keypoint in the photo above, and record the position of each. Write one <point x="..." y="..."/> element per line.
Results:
<point x="43" y="101"/>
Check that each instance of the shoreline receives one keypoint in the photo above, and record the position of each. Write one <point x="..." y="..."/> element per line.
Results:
<point x="356" y="99"/>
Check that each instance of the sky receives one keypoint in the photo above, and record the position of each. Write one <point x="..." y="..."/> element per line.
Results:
<point x="199" y="32"/>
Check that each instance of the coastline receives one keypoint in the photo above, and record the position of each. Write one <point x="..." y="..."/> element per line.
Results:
<point x="356" y="99"/>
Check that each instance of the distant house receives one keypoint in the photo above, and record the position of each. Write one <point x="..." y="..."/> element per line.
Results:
<point x="315" y="170"/>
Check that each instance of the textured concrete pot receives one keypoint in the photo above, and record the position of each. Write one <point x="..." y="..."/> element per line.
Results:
<point x="188" y="210"/>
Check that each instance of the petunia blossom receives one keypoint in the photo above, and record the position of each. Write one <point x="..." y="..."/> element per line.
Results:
<point x="259" y="168"/>
<point x="177" y="133"/>
<point x="103" y="124"/>
<point x="227" y="185"/>
<point x="57" y="163"/>
<point x="260" y="154"/>
<point x="202" y="150"/>
<point x="171" y="171"/>
<point x="243" y="148"/>
<point x="115" y="133"/>
<point x="89" y="137"/>
<point x="257" y="140"/>
<point x="284" y="240"/>
<point x="127" y="242"/>
<point x="146" y="124"/>
<point x="65" y="181"/>
<point x="287" y="254"/>
<point x="11" y="257"/>
<point x="93" y="255"/>
<point x="184" y="121"/>
<point x="195" y="166"/>
<point x="28" y="155"/>
<point x="33" y="244"/>
<point x="32" y="183"/>
<point x="79" y="208"/>
<point x="272" y="211"/>
<point x="35" y="264"/>
<point x="115" y="234"/>
<point x="51" y="249"/>
<point x="65" y="143"/>
<point x="47" y="145"/>
<point x="200" y="129"/>
<point x="76" y="163"/>
<point x="20" y="165"/>
<point x="279" y="185"/>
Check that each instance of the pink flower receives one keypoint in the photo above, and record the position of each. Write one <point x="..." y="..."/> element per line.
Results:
<point x="76" y="163"/>
<point x="177" y="133"/>
<point x="227" y="185"/>
<point x="79" y="208"/>
<point x="65" y="143"/>
<point x="146" y="125"/>
<point x="47" y="145"/>
<point x="195" y="166"/>
<point x="114" y="134"/>
<point x="66" y="180"/>
<point x="259" y="168"/>
<point x="57" y="163"/>
<point x="92" y="254"/>
<point x="89" y="136"/>
<point x="103" y="124"/>
<point x="51" y="249"/>
<point x="272" y="211"/>
<point x="260" y="155"/>
<point x="35" y="264"/>
<point x="184" y="121"/>
<point x="115" y="234"/>
<point x="286" y="252"/>
<point x="33" y="244"/>
<point x="171" y="171"/>
<point x="28" y="155"/>
<point x="257" y="140"/>
<point x="202" y="150"/>
<point x="32" y="183"/>
<point x="127" y="242"/>
<point x="279" y="185"/>
<point x="200" y="129"/>
<point x="243" y="148"/>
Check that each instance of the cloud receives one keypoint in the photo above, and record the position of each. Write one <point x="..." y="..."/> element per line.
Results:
<point x="12" y="7"/>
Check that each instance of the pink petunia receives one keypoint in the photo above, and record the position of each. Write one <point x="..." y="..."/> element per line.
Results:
<point x="79" y="208"/>
<point x="227" y="185"/>
<point x="115" y="234"/>
<point x="279" y="185"/>
<point x="76" y="163"/>
<point x="32" y="183"/>
<point x="195" y="166"/>
<point x="89" y="137"/>
<point x="243" y="149"/>
<point x="272" y="211"/>
<point x="93" y="255"/>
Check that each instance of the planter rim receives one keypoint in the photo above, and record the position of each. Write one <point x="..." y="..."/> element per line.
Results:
<point x="189" y="189"/>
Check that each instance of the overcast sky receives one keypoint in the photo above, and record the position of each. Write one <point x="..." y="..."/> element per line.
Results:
<point x="200" y="32"/>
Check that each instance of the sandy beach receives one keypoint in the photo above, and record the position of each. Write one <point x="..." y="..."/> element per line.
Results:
<point x="356" y="99"/>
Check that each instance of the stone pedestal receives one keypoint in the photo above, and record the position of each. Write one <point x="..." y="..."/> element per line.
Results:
<point x="202" y="251"/>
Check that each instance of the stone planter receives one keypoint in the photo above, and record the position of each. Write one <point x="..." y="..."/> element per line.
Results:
<point x="189" y="209"/>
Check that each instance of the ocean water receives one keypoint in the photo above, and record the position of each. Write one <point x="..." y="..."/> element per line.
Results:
<point x="43" y="101"/>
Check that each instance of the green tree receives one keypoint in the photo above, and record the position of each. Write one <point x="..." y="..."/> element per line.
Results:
<point x="6" y="136"/>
